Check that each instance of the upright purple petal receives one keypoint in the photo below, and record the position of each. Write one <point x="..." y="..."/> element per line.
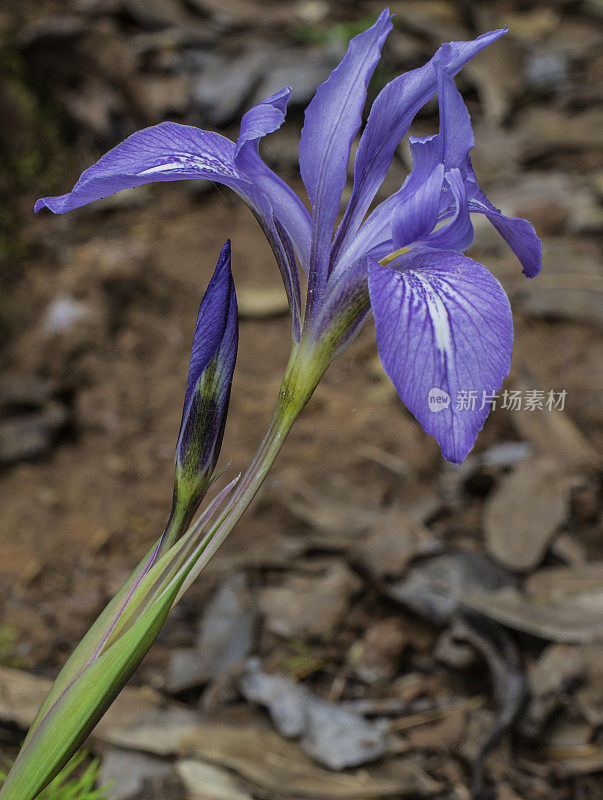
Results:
<point x="455" y="124"/>
<point x="445" y="334"/>
<point x="389" y="119"/>
<point x="457" y="233"/>
<point x="332" y="120"/>
<point x="416" y="214"/>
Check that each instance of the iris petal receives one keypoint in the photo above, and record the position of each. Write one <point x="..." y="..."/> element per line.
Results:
<point x="416" y="214"/>
<point x="444" y="328"/>
<point x="170" y="152"/>
<point x="331" y="121"/>
<point x="518" y="233"/>
<point x="389" y="119"/>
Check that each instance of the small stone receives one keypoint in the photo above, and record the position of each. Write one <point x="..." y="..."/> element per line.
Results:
<point x="31" y="436"/>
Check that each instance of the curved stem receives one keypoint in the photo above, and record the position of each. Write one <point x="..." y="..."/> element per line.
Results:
<point x="303" y="373"/>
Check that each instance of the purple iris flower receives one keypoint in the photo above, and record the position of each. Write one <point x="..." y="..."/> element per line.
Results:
<point x="443" y="323"/>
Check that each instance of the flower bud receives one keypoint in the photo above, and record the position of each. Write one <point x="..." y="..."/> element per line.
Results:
<point x="213" y="356"/>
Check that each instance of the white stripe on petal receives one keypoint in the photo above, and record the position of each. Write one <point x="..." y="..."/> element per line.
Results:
<point x="439" y="315"/>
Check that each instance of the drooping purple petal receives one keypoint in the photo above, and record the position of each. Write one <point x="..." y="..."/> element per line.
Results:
<point x="518" y="233"/>
<point x="264" y="118"/>
<point x="389" y="119"/>
<point x="169" y="152"/>
<point x="445" y="334"/>
<point x="165" y="152"/>
<point x="331" y="121"/>
<point x="457" y="141"/>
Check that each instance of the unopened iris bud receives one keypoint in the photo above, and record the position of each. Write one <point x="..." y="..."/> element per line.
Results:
<point x="213" y="357"/>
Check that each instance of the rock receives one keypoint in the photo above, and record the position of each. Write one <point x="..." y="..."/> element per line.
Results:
<point x="225" y="637"/>
<point x="309" y="606"/>
<point x="524" y="512"/>
<point x="132" y="776"/>
<point x="330" y="734"/>
<point x="545" y="69"/>
<point x="505" y="455"/>
<point x="30" y="418"/>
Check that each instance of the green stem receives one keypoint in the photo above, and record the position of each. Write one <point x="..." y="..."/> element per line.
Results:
<point x="302" y="376"/>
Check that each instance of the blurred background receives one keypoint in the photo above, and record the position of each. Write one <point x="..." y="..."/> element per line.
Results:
<point x="381" y="624"/>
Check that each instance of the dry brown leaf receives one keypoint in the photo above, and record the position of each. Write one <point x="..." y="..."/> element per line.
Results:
<point x="206" y="782"/>
<point x="312" y="606"/>
<point x="328" y="515"/>
<point x="280" y="768"/>
<point x="554" y="433"/>
<point x="573" y="623"/>
<point x="393" y="542"/>
<point x="524" y="512"/>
